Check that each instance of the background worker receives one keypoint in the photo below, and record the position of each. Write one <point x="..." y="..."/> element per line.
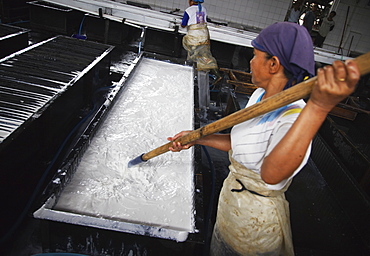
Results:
<point x="295" y="12"/>
<point x="197" y="41"/>
<point x="309" y="18"/>
<point x="327" y="25"/>
<point x="268" y="151"/>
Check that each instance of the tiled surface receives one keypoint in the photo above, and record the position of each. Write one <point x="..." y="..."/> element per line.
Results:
<point x="250" y="13"/>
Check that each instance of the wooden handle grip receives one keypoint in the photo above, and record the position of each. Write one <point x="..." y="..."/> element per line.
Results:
<point x="299" y="91"/>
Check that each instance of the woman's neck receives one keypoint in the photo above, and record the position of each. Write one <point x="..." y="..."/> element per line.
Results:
<point x="274" y="87"/>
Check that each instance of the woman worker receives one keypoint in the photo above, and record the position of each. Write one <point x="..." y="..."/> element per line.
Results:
<point x="267" y="151"/>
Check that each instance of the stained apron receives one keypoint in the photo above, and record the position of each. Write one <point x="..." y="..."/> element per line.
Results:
<point x="197" y="43"/>
<point x="251" y="219"/>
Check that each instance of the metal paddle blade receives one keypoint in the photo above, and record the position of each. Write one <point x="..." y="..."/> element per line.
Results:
<point x="135" y="161"/>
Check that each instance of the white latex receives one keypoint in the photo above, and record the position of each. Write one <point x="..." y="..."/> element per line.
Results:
<point x="157" y="102"/>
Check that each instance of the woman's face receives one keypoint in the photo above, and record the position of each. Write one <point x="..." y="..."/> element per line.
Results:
<point x="259" y="67"/>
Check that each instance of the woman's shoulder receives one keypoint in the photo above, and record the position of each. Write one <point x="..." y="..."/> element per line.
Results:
<point x="289" y="113"/>
<point x="255" y="97"/>
<point x="195" y="8"/>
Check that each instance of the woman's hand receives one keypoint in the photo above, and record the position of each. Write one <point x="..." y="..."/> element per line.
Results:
<point x="218" y="141"/>
<point x="334" y="83"/>
<point x="176" y="146"/>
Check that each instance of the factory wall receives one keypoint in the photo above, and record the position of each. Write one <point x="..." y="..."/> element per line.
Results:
<point x="259" y="14"/>
<point x="356" y="25"/>
<point x="248" y="13"/>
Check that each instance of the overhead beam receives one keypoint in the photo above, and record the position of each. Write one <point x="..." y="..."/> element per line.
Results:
<point x="141" y="17"/>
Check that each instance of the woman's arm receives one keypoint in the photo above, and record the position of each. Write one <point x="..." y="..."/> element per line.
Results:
<point x="218" y="141"/>
<point x="334" y="83"/>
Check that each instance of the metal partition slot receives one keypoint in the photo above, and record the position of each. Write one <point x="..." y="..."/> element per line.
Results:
<point x="155" y="199"/>
<point x="34" y="78"/>
<point x="45" y="89"/>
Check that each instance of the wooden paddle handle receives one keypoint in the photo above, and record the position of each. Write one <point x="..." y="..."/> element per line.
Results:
<point x="299" y="91"/>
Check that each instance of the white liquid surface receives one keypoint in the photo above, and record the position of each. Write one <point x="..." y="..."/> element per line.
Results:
<point x="157" y="103"/>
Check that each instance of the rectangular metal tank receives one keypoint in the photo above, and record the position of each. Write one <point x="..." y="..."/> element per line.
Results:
<point x="161" y="199"/>
<point x="13" y="10"/>
<point x="54" y="19"/>
<point x="12" y="39"/>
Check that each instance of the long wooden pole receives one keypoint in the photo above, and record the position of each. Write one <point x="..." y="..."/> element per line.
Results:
<point x="299" y="91"/>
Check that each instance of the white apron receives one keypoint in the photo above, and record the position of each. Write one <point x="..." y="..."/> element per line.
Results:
<point x="248" y="223"/>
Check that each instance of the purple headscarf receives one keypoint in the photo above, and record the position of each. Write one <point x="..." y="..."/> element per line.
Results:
<point x="292" y="44"/>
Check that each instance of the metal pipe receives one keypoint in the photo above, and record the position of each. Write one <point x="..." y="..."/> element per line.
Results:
<point x="142" y="39"/>
<point x="344" y="29"/>
<point x="349" y="48"/>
